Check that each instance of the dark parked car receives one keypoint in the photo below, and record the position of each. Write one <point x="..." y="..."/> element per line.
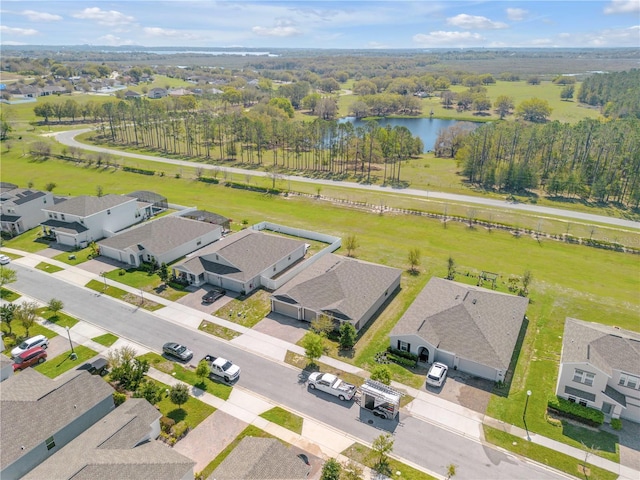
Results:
<point x="213" y="295"/>
<point x="100" y="366"/>
<point x="176" y="350"/>
<point x="29" y="357"/>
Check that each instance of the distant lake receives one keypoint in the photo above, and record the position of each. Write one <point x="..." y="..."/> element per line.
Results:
<point x="425" y="128"/>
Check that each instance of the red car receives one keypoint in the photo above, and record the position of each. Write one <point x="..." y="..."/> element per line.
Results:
<point x="29" y="357"/>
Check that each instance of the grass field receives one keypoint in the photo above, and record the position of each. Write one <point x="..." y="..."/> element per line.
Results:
<point x="60" y="318"/>
<point x="63" y="363"/>
<point x="107" y="339"/>
<point x="284" y="418"/>
<point x="192" y="413"/>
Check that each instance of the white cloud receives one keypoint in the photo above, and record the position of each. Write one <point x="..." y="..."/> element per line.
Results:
<point x="113" y="40"/>
<point x="447" y="38"/>
<point x="474" y="22"/>
<point x="541" y="41"/>
<point x="104" y="17"/>
<point x="160" y="32"/>
<point x="621" y="37"/>
<point x="622" y="6"/>
<point x="283" y="28"/>
<point x="516" y="14"/>
<point x="17" y="31"/>
<point x="41" y="16"/>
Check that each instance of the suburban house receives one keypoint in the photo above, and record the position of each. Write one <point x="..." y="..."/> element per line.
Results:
<point x="345" y="289"/>
<point x="157" y="93"/>
<point x="6" y="367"/>
<point x="262" y="459"/>
<point x="122" y="445"/>
<point x="130" y="94"/>
<point x="161" y="241"/>
<point x="600" y="368"/>
<point x="21" y="209"/>
<point x="210" y="217"/>
<point x="241" y="261"/>
<point x="40" y="416"/>
<point x="80" y="220"/>
<point x="468" y="328"/>
<point x="150" y="203"/>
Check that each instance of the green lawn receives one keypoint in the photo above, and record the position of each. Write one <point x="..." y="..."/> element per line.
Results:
<point x="9" y="295"/>
<point x="47" y="267"/>
<point x="75" y="257"/>
<point x="250" y="431"/>
<point x="192" y="413"/>
<point x="546" y="456"/>
<point x="247" y="310"/>
<point x="62" y="363"/>
<point x="187" y="375"/>
<point x="284" y="418"/>
<point x="143" y="280"/>
<point x="218" y="330"/>
<point x="19" y="333"/>
<point x="30" y="241"/>
<point x="393" y="469"/>
<point x="61" y="319"/>
<point x="123" y="295"/>
<point x="107" y="339"/>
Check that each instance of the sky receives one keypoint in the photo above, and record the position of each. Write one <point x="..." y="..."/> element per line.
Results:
<point x="356" y="24"/>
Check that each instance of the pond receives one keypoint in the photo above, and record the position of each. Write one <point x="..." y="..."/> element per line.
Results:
<point x="425" y="128"/>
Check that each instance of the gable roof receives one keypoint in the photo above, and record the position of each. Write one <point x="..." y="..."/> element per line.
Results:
<point x="28" y="399"/>
<point x="261" y="459"/>
<point x="342" y="286"/>
<point x="161" y="235"/>
<point x="21" y="196"/>
<point x="86" y="205"/>
<point x="248" y="253"/>
<point x="473" y="322"/>
<point x="607" y="348"/>
<point x="115" y="448"/>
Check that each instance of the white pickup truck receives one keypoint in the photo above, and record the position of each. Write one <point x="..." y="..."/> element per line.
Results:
<point x="221" y="367"/>
<point x="329" y="383"/>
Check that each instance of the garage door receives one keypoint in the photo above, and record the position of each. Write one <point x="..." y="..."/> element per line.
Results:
<point x="285" y="309"/>
<point x="477" y="369"/>
<point x="632" y="412"/>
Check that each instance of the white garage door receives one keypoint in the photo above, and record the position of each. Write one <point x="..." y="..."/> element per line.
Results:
<point x="632" y="412"/>
<point x="477" y="369"/>
<point x="285" y="309"/>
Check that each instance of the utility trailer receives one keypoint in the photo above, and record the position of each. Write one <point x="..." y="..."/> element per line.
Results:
<point x="380" y="399"/>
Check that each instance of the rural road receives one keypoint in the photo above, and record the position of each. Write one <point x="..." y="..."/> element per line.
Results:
<point x="68" y="138"/>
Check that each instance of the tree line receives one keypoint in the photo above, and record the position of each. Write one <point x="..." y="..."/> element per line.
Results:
<point x="616" y="93"/>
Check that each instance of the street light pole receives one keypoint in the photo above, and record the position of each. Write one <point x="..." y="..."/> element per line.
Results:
<point x="73" y="352"/>
<point x="104" y="277"/>
<point x="524" y="414"/>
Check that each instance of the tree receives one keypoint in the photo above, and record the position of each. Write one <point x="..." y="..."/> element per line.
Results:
<point x="313" y="346"/>
<point x="382" y="446"/>
<point x="527" y="277"/>
<point x="7" y="314"/>
<point x="150" y="391"/>
<point x="26" y="314"/>
<point x="95" y="249"/>
<point x="7" y="275"/>
<point x="414" y="259"/>
<point x="99" y="191"/>
<point x="534" y="110"/>
<point x="50" y="186"/>
<point x="331" y="470"/>
<point x="351" y="471"/>
<point x="55" y="306"/>
<point x="382" y="374"/>
<point x="567" y="92"/>
<point x="163" y="272"/>
<point x="351" y="243"/>
<point x="503" y="105"/>
<point x="179" y="394"/>
<point x="451" y="268"/>
<point x="125" y="368"/>
<point x="322" y="325"/>
<point x="348" y="336"/>
<point x="202" y="370"/>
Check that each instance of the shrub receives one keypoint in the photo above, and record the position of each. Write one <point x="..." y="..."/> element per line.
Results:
<point x="215" y="181"/>
<point x="616" y="424"/>
<point x="180" y="429"/>
<point x="138" y="170"/>
<point x="575" y="411"/>
<point x="166" y="424"/>
<point x="403" y="354"/>
<point x="404" y="362"/>
<point x="122" y="272"/>
<point x="119" y="398"/>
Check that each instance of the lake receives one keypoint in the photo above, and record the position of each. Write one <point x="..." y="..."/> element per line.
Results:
<point x="425" y="128"/>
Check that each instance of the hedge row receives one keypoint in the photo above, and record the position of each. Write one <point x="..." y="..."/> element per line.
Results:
<point x="272" y="191"/>
<point x="139" y="170"/>
<point x="215" y="181"/>
<point x="404" y="362"/>
<point x="401" y="353"/>
<point x="575" y="411"/>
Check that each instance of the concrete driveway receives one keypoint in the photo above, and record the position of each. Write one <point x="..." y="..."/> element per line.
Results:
<point x="282" y="327"/>
<point x="194" y="300"/>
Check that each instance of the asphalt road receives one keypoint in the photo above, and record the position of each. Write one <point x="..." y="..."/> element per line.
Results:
<point x="68" y="138"/>
<point x="416" y="440"/>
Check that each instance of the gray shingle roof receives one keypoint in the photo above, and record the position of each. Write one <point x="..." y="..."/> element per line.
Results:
<point x="249" y="252"/>
<point x="339" y="285"/>
<point x="85" y="205"/>
<point x="20" y="196"/>
<point x="67" y="227"/>
<point x="576" y="392"/>
<point x="35" y="407"/>
<point x="112" y="449"/>
<point x="605" y="347"/>
<point x="161" y="235"/>
<point x="475" y="323"/>
<point x="261" y="459"/>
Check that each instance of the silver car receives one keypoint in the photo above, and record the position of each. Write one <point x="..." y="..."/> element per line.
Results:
<point x="178" y="351"/>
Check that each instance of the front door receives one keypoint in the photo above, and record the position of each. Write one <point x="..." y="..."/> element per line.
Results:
<point x="423" y="355"/>
<point x="607" y="408"/>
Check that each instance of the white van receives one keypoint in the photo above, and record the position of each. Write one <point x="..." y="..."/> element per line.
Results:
<point x="37" y="341"/>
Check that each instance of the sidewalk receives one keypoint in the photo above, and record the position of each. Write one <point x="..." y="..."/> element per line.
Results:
<point x="425" y="406"/>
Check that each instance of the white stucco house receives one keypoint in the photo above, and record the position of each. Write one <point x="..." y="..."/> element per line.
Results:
<point x="468" y="328"/>
<point x="600" y="368"/>
<point x="241" y="261"/>
<point x="80" y="220"/>
<point x="161" y="241"/>
<point x="345" y="289"/>
<point x="21" y="209"/>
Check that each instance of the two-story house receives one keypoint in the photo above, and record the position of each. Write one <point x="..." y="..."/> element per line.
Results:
<point x="80" y="220"/>
<point x="21" y="209"/>
<point x="600" y="368"/>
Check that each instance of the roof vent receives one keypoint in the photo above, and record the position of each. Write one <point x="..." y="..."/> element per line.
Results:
<point x="474" y="301"/>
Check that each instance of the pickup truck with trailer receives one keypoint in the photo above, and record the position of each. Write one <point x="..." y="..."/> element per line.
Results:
<point x="221" y="367"/>
<point x="329" y="383"/>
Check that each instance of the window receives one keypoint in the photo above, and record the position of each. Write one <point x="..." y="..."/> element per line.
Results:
<point x="404" y="346"/>
<point x="572" y="399"/>
<point x="581" y="376"/>
<point x="50" y="443"/>
<point x="108" y="212"/>
<point x="630" y="381"/>
<point x="583" y="402"/>
<point x="62" y="216"/>
<point x="199" y="242"/>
